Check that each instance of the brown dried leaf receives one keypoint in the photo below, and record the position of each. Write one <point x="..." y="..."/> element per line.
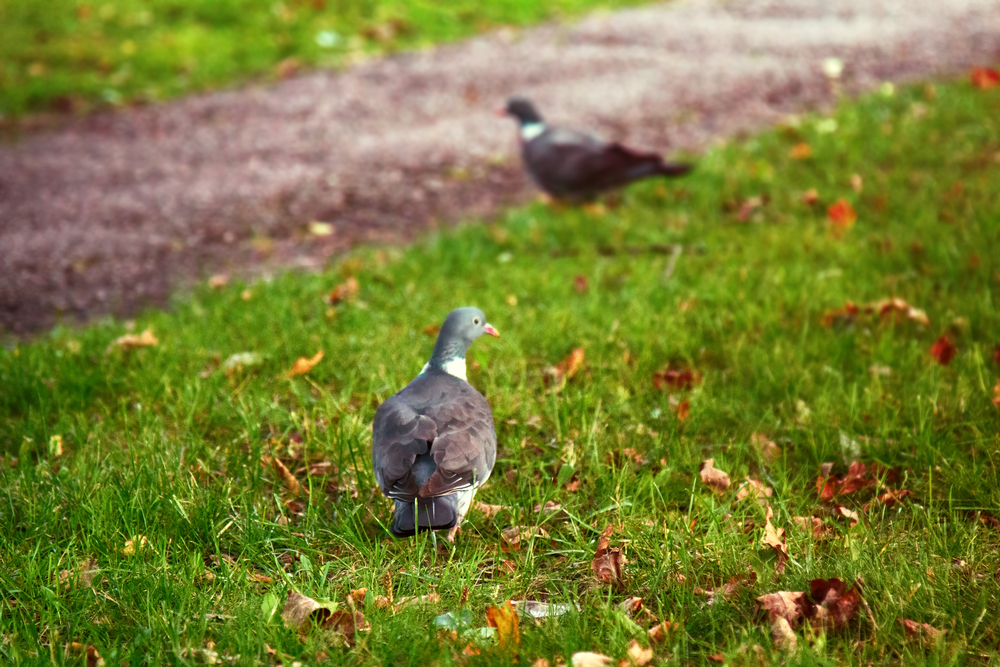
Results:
<point x="345" y="291"/>
<point x="549" y="507"/>
<point x="303" y="365"/>
<point x="588" y="659"/>
<point x="769" y="451"/>
<point x="717" y="658"/>
<point x="669" y="378"/>
<point x="631" y="606"/>
<point x="608" y="562"/>
<point x="514" y="535"/>
<point x="754" y="490"/>
<point x="783" y="635"/>
<point x="134" y="545"/>
<point x="928" y="633"/>
<point x="580" y="284"/>
<point x="683" y="411"/>
<point x="430" y="598"/>
<point x="943" y="350"/>
<point x="660" y="633"/>
<point x="505" y="620"/>
<point x="715" y="478"/>
<point x="813" y="524"/>
<point x="831" y="486"/>
<point x="637" y="655"/>
<point x="775" y="538"/>
<point x="801" y="151"/>
<point x="835" y="604"/>
<point x="489" y="511"/>
<point x="568" y="367"/>
<point x="83" y="574"/>
<point x="852" y="516"/>
<point x="300" y="609"/>
<point x="130" y="341"/>
<point x="283" y="473"/>
<point x="94" y="658"/>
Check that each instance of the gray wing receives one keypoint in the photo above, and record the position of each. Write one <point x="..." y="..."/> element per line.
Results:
<point x="433" y="438"/>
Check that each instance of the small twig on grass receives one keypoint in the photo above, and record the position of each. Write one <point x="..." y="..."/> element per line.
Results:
<point x="672" y="262"/>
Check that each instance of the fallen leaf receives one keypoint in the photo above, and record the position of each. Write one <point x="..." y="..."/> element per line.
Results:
<point x="775" y="538"/>
<point x="851" y="515"/>
<point x="344" y="291"/>
<point x="996" y="394"/>
<point x="135" y="544"/>
<point x="430" y="598"/>
<point x="432" y="329"/>
<point x="888" y="499"/>
<point x="857" y="183"/>
<point x="549" y="507"/>
<point x="886" y="307"/>
<point x="842" y="216"/>
<point x="683" y="411"/>
<point x="660" y="633"/>
<point x="130" y="341"/>
<point x="301" y="612"/>
<point x="94" y="658"/>
<point x="608" y="562"/>
<point x="259" y="578"/>
<point x="489" y="511"/>
<point x="568" y="367"/>
<point x="747" y="207"/>
<point x="813" y="524"/>
<point x="715" y="478"/>
<point x="505" y="620"/>
<point x="845" y="315"/>
<point x="286" y="476"/>
<point x="514" y="535"/>
<point x="925" y="631"/>
<point x="985" y="78"/>
<point x="580" y="284"/>
<point x="631" y="606"/>
<point x="83" y="574"/>
<point x="830" y="487"/>
<point x="810" y="197"/>
<point x="943" y="350"/>
<point x="768" y="450"/>
<point x="784" y="636"/>
<point x="218" y="280"/>
<point x="753" y="489"/>
<point x="717" y="658"/>
<point x="684" y="378"/>
<point x="801" y="151"/>
<point x="303" y="365"/>
<point x="588" y="659"/>
<point x="788" y="605"/>
<point x="835" y="604"/>
<point x="637" y="655"/>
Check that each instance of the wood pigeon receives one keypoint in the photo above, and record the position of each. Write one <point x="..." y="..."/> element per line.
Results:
<point x="434" y="443"/>
<point x="577" y="167"/>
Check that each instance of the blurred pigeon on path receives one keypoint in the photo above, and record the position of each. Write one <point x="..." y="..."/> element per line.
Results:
<point x="434" y="443"/>
<point x="577" y="167"/>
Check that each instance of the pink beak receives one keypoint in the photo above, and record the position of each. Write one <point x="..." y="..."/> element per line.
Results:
<point x="501" y="112"/>
<point x="488" y="328"/>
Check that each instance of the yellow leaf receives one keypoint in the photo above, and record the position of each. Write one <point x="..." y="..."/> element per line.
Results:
<point x="303" y="365"/>
<point x="505" y="620"/>
<point x="137" y="543"/>
<point x="128" y="341"/>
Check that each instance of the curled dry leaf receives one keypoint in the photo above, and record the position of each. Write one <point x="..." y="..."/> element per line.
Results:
<point x="134" y="545"/>
<point x="489" y="511"/>
<point x="83" y="574"/>
<point x="801" y="151"/>
<point x="588" y="659"/>
<point x="814" y="524"/>
<point x="925" y="631"/>
<point x="830" y="486"/>
<point x="608" y="562"/>
<point x="660" y="633"/>
<point x="344" y="291"/>
<point x="568" y="367"/>
<point x="283" y="473"/>
<point x="715" y="478"/>
<point x="850" y="515"/>
<point x="835" y="604"/>
<point x="505" y="620"/>
<point x="775" y="538"/>
<point x="784" y="636"/>
<point x="943" y="350"/>
<point x="754" y="490"/>
<point x="549" y="507"/>
<point x="637" y="655"/>
<point x="842" y="216"/>
<point x="301" y="612"/>
<point x="984" y="77"/>
<point x="303" y="365"/>
<point x="130" y="341"/>
<point x="631" y="606"/>
<point x="514" y="535"/>
<point x="669" y="378"/>
<point x="94" y="658"/>
<point x="769" y="451"/>
<point x="889" y="498"/>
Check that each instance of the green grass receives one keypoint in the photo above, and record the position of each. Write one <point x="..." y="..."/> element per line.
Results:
<point x="70" y="54"/>
<point x="159" y="445"/>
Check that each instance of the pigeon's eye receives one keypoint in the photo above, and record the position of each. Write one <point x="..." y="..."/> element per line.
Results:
<point x="475" y="321"/>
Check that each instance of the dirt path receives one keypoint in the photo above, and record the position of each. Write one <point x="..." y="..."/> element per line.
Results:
<point x="110" y="213"/>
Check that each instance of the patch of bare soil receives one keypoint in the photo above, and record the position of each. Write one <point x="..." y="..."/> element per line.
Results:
<point x="110" y="213"/>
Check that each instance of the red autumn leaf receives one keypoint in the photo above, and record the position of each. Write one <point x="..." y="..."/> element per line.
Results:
<point x="836" y="605"/>
<point x="608" y="562"/>
<point x="715" y="478"/>
<point x="683" y="411"/>
<point x="943" y="350"/>
<point x="580" y="284"/>
<point x="984" y="77"/>
<point x="832" y="486"/>
<point x="676" y="379"/>
<point x="841" y="215"/>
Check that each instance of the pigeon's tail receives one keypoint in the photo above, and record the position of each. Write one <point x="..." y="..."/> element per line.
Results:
<point x="673" y="168"/>
<point x="426" y="514"/>
<point x="648" y="166"/>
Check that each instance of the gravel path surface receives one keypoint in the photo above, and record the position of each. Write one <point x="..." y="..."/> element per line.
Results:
<point x="112" y="212"/>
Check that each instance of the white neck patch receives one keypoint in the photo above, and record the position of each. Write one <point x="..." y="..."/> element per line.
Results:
<point x="531" y="130"/>
<point x="454" y="367"/>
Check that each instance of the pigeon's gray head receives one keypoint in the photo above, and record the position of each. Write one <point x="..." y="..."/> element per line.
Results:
<point x="523" y="110"/>
<point x="460" y="329"/>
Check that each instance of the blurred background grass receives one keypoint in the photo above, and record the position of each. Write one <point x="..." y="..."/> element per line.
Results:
<point x="67" y="55"/>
